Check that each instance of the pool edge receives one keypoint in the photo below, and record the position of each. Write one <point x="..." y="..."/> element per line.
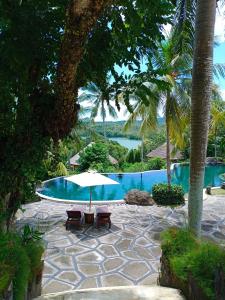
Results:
<point x="94" y="202"/>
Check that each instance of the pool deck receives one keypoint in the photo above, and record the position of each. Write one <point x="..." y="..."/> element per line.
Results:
<point x="126" y="254"/>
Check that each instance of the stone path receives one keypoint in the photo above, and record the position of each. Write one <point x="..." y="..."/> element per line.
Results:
<point x="127" y="254"/>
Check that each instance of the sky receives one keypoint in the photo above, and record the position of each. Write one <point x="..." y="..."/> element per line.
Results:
<point x="219" y="57"/>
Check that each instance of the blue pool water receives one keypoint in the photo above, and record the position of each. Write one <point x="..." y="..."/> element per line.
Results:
<point x="65" y="190"/>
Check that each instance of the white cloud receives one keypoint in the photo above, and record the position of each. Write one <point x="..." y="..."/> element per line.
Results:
<point x="223" y="93"/>
<point x="220" y="24"/>
<point x="122" y="115"/>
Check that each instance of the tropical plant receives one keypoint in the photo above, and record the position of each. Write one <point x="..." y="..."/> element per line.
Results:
<point x="147" y="114"/>
<point x="156" y="163"/>
<point x="47" y="54"/>
<point x="217" y="120"/>
<point x="202" y="77"/>
<point x="185" y="256"/>
<point x="100" y="99"/>
<point x="172" y="97"/>
<point x="92" y="155"/>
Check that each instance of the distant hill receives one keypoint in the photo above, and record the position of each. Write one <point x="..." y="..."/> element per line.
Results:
<point x="115" y="128"/>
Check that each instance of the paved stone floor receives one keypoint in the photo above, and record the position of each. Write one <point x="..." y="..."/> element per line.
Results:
<point x="126" y="254"/>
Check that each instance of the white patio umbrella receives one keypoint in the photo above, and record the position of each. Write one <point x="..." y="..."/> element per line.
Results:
<point x="90" y="179"/>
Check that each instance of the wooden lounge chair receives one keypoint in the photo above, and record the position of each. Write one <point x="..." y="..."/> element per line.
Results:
<point x="74" y="217"/>
<point x="103" y="216"/>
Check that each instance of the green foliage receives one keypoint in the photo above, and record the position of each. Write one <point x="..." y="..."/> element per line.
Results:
<point x="30" y="234"/>
<point x="13" y="253"/>
<point x="6" y="275"/>
<point x="116" y="129"/>
<point x="97" y="153"/>
<point x="201" y="263"/>
<point x="156" y="163"/>
<point x="176" y="242"/>
<point x="34" y="251"/>
<point x="99" y="167"/>
<point x="21" y="256"/>
<point x="189" y="256"/>
<point x="116" y="150"/>
<point x="60" y="170"/>
<point x="134" y="167"/>
<point x="165" y="195"/>
<point x="31" y="35"/>
<point x="133" y="156"/>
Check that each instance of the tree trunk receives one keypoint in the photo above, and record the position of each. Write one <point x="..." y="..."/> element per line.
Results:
<point x="142" y="149"/>
<point x="215" y="148"/>
<point x="168" y="150"/>
<point x="103" y="119"/>
<point x="200" y="108"/>
<point x="81" y="17"/>
<point x="4" y="204"/>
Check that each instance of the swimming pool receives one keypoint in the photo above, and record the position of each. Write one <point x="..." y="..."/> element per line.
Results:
<point x="61" y="189"/>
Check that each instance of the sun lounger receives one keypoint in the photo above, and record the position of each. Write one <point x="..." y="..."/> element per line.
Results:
<point x="103" y="216"/>
<point x="74" y="217"/>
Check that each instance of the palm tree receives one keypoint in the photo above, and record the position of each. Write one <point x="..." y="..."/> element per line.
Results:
<point x="83" y="126"/>
<point x="147" y="114"/>
<point x="100" y="96"/>
<point x="202" y="77"/>
<point x="172" y="97"/>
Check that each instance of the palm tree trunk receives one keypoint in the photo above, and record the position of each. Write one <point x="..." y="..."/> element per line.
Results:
<point x="200" y="109"/>
<point x="103" y="119"/>
<point x="215" y="149"/>
<point x="142" y="149"/>
<point x="168" y="159"/>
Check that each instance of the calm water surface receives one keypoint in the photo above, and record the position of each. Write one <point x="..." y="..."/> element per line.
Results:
<point x="128" y="143"/>
<point x="63" y="189"/>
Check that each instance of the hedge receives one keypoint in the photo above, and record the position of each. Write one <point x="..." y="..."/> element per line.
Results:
<point x="165" y="195"/>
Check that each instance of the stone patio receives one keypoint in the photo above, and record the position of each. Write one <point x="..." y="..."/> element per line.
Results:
<point x="126" y="254"/>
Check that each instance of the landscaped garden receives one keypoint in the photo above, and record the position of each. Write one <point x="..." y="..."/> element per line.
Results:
<point x="67" y="69"/>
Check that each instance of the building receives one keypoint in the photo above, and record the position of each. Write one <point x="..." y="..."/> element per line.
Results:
<point x="74" y="160"/>
<point x="161" y="152"/>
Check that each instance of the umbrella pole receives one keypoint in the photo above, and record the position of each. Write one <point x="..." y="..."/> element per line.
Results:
<point x="90" y="198"/>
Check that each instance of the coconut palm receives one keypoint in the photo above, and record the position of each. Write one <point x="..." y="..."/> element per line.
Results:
<point x="100" y="97"/>
<point x="202" y="78"/>
<point x="83" y="127"/>
<point x="198" y="17"/>
<point x="172" y="97"/>
<point x="147" y="114"/>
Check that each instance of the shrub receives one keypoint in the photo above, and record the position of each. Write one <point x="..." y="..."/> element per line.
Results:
<point x="60" y="170"/>
<point x="165" y="195"/>
<point x="13" y="254"/>
<point x="93" y="155"/>
<point x="134" y="167"/>
<point x="188" y="256"/>
<point x="99" y="167"/>
<point x="6" y="275"/>
<point x="20" y="260"/>
<point x="156" y="163"/>
<point x="130" y="156"/>
<point x="177" y="242"/>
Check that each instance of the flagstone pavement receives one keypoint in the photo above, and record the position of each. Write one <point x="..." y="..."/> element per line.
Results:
<point x="126" y="254"/>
